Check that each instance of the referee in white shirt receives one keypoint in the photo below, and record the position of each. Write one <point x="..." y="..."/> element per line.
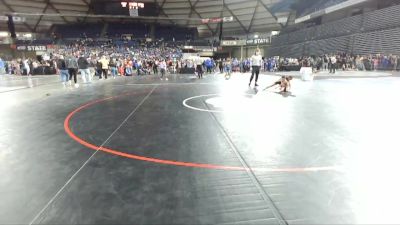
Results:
<point x="256" y="62"/>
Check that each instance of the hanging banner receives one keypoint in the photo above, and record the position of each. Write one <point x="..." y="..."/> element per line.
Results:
<point x="31" y="48"/>
<point x="233" y="42"/>
<point x="258" y="41"/>
<point x="211" y="20"/>
<point x="228" y="19"/>
<point x="16" y="19"/>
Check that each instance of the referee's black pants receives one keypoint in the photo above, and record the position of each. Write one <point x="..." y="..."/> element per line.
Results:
<point x="256" y="71"/>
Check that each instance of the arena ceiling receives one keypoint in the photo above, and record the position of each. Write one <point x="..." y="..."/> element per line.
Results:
<point x="249" y="16"/>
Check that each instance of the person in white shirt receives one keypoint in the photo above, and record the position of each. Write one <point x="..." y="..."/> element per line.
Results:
<point x="333" y="64"/>
<point x="26" y="67"/>
<point x="104" y="67"/>
<point x="256" y="62"/>
<point x="163" y="67"/>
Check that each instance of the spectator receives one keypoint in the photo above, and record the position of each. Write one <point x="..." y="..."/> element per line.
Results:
<point x="394" y="62"/>
<point x="113" y="68"/>
<point x="63" y="70"/>
<point x="333" y="61"/>
<point x="72" y="65"/>
<point x="163" y="67"/>
<point x="104" y="67"/>
<point x="2" y="67"/>
<point x="83" y="65"/>
<point x="325" y="63"/>
<point x="26" y="67"/>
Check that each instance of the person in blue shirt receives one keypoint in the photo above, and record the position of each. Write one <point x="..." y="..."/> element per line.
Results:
<point x="2" y="66"/>
<point x="273" y="65"/>
<point x="208" y="65"/>
<point x="213" y="65"/>
<point x="269" y="65"/>
<point x="247" y="65"/>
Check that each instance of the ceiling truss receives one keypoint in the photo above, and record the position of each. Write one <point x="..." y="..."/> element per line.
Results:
<point x="249" y="15"/>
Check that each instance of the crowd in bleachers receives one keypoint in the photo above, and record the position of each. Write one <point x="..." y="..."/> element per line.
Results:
<point x="345" y="62"/>
<point x="126" y="59"/>
<point x="329" y="62"/>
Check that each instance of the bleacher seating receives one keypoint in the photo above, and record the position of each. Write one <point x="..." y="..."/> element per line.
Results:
<point x="281" y="6"/>
<point x="383" y="41"/>
<point x="322" y="4"/>
<point x="138" y="30"/>
<point x="80" y="30"/>
<point x="373" y="32"/>
<point x="169" y="33"/>
<point x="327" y="46"/>
<point x="337" y="28"/>
<point x="384" y="18"/>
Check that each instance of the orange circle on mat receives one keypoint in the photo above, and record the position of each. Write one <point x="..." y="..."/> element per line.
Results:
<point x="68" y="130"/>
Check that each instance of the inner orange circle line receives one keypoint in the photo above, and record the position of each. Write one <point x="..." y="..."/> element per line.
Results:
<point x="68" y="130"/>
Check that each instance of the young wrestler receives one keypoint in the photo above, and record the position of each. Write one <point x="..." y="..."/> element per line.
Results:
<point x="284" y="83"/>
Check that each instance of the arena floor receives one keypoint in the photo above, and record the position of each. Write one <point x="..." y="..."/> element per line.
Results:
<point x="142" y="150"/>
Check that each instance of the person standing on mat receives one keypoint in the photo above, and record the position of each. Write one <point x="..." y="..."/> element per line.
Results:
<point x="113" y="67"/>
<point x="72" y="65"/>
<point x="221" y="65"/>
<point x="256" y="62"/>
<point x="104" y="66"/>
<point x="199" y="68"/>
<point x="333" y="62"/>
<point x="228" y="69"/>
<point x="163" y="67"/>
<point x="62" y="67"/>
<point x="83" y="65"/>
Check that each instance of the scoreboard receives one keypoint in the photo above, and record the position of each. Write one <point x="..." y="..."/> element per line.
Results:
<point x="133" y="7"/>
<point x="124" y="7"/>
